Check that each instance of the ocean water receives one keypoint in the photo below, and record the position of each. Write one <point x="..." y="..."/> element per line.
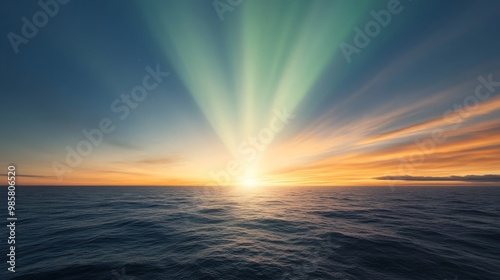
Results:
<point x="173" y="233"/>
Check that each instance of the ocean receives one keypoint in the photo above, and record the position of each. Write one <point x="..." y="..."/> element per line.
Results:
<point x="147" y="233"/>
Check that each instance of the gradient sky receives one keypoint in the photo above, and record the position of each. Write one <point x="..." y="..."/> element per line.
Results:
<point x="412" y="107"/>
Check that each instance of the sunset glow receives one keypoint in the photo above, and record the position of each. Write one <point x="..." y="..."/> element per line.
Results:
<point x="269" y="96"/>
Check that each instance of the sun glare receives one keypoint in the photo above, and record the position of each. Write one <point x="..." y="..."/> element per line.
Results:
<point x="249" y="182"/>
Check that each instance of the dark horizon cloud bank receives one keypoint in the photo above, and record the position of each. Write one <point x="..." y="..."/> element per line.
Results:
<point x="489" y="178"/>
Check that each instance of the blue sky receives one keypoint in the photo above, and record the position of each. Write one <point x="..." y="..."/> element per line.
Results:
<point x="226" y="79"/>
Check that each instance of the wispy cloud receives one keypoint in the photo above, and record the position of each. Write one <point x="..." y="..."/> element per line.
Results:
<point x="29" y="176"/>
<point x="154" y="161"/>
<point x="124" y="145"/>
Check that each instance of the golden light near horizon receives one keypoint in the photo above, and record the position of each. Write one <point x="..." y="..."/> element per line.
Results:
<point x="249" y="182"/>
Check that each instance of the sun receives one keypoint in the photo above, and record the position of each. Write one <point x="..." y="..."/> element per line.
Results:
<point x="249" y="182"/>
<point x="249" y="179"/>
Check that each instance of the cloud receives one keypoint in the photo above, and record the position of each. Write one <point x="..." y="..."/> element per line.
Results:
<point x="29" y="175"/>
<point x="124" y="145"/>
<point x="486" y="107"/>
<point x="170" y="161"/>
<point x="468" y="178"/>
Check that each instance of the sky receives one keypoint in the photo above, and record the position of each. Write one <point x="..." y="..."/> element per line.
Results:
<point x="251" y="92"/>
